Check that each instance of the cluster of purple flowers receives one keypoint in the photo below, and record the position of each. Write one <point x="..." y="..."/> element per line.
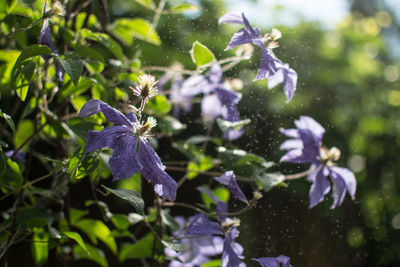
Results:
<point x="270" y="66"/>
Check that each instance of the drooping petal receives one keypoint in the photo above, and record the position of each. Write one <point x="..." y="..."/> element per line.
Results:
<point x="211" y="107"/>
<point x="241" y="37"/>
<point x="153" y="171"/>
<point x="229" y="99"/>
<point x="274" y="261"/>
<point x="214" y="75"/>
<point x="267" y="261"/>
<point x="308" y="123"/>
<point x="60" y="72"/>
<point x="269" y="65"/>
<point x="232" y="251"/>
<point x="289" y="81"/>
<point x="297" y="156"/>
<point x="201" y="225"/>
<point x="106" y="138"/>
<point x="311" y="145"/>
<point x="228" y="179"/>
<point x="321" y="185"/>
<point x="46" y="39"/>
<point x="338" y="191"/>
<point x="348" y="178"/>
<point x="112" y="115"/>
<point x="291" y="144"/>
<point x="253" y="31"/>
<point x="124" y="161"/>
<point x="292" y="133"/>
<point x="233" y="134"/>
<point x="231" y="17"/>
<point x="20" y="155"/>
<point x="275" y="79"/>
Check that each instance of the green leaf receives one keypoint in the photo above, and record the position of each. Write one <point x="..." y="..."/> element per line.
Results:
<point x="3" y="165"/>
<point x="139" y="28"/>
<point x="40" y="246"/>
<point x="131" y="196"/>
<point x="146" y="3"/>
<point x="8" y="119"/>
<point x="120" y="221"/>
<point x="159" y="105"/>
<point x="96" y="229"/>
<point x="73" y="67"/>
<point x="88" y="52"/>
<point x="169" y="221"/>
<point x="95" y="254"/>
<point x="269" y="180"/>
<point x="173" y="246"/>
<point x="105" y="40"/>
<point x="231" y="125"/>
<point x="195" y="168"/>
<point x="200" y="54"/>
<point x="171" y="126"/>
<point x="24" y="131"/>
<point x="77" y="237"/>
<point x="213" y="263"/>
<point x="141" y="249"/>
<point x="179" y="8"/>
<point x="31" y="51"/>
<point x="23" y="78"/>
<point x="33" y="217"/>
<point x="83" y="85"/>
<point x="82" y="165"/>
<point x="133" y="183"/>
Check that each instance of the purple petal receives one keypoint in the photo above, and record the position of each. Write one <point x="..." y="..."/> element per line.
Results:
<point x="210" y="245"/>
<point x="229" y="99"/>
<point x="289" y="81"/>
<point x="241" y="37"/>
<point x="311" y="145"/>
<point x="233" y="134"/>
<point x="222" y="207"/>
<point x="232" y="251"/>
<point x="275" y="79"/>
<point x="112" y="115"/>
<point x="297" y="156"/>
<point x="253" y="31"/>
<point x="60" y="72"/>
<point x="211" y="107"/>
<point x="228" y="179"/>
<point x="201" y="225"/>
<point x="291" y="144"/>
<point x="45" y="39"/>
<point x="320" y="186"/>
<point x="153" y="171"/>
<point x="338" y="191"/>
<point x="20" y="155"/>
<point x="124" y="161"/>
<point x="306" y="122"/>
<point x="347" y="177"/>
<point x="267" y="261"/>
<point x="106" y="138"/>
<point x="132" y="117"/>
<point x="269" y="65"/>
<point x="194" y="85"/>
<point x="231" y="17"/>
<point x="214" y="75"/>
<point x="284" y="260"/>
<point x="293" y="133"/>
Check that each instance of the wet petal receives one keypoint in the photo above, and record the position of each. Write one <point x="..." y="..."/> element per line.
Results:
<point x="231" y="17"/>
<point x="106" y="138"/>
<point x="153" y="171"/>
<point x="289" y="81"/>
<point x="320" y="187"/>
<point x="269" y="65"/>
<point x="60" y="72"/>
<point x="211" y="107"/>
<point x="228" y="179"/>
<point x="306" y="122"/>
<point x="291" y="144"/>
<point x="112" y="115"/>
<point x="232" y="251"/>
<point x="267" y="261"/>
<point x="46" y="39"/>
<point x="241" y="37"/>
<point x="348" y="178"/>
<point x="201" y="225"/>
<point x="124" y="161"/>
<point x="293" y="133"/>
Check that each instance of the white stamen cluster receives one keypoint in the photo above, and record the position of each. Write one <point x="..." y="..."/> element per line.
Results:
<point x="143" y="129"/>
<point x="146" y="87"/>
<point x="269" y="39"/>
<point x="329" y="155"/>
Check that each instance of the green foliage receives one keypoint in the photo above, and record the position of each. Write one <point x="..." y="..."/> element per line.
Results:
<point x="132" y="197"/>
<point x="201" y="55"/>
<point x="72" y="65"/>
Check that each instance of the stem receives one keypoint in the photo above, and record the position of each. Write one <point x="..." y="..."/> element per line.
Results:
<point x="158" y="12"/>
<point x="185" y="205"/>
<point x="24" y="28"/>
<point x="209" y="173"/>
<point x="299" y="175"/>
<point x="28" y="184"/>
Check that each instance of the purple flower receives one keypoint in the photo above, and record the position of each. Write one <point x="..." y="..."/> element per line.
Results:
<point x="218" y="101"/>
<point x="46" y="39"/>
<point x="20" y="155"/>
<point x="197" y="250"/>
<point x="132" y="152"/>
<point x="270" y="66"/>
<point x="228" y="179"/>
<point x="306" y="147"/>
<point x="201" y="225"/>
<point x="274" y="262"/>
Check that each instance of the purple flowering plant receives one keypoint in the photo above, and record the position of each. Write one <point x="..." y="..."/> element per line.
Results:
<point x="107" y="123"/>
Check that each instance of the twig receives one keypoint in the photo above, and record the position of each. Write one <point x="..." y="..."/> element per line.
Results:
<point x="158" y="12"/>
<point x="299" y="175"/>
<point x="185" y="205"/>
<point x="24" y="28"/>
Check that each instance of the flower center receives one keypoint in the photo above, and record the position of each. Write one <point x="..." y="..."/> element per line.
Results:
<point x="329" y="155"/>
